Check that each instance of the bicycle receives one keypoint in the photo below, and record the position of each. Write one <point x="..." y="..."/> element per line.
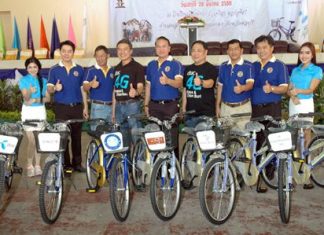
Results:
<point x="10" y="139"/>
<point x="53" y="141"/>
<point x="279" y="28"/>
<point x="107" y="158"/>
<point x="217" y="188"/>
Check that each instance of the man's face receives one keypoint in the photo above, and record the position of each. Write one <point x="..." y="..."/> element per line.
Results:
<point x="162" y="48"/>
<point x="101" y="58"/>
<point x="264" y="50"/>
<point x="124" y="51"/>
<point x="198" y="53"/>
<point x="234" y="51"/>
<point x="67" y="53"/>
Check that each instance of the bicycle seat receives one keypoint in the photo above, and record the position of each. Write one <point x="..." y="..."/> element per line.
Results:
<point x="242" y="133"/>
<point x="188" y="130"/>
<point x="254" y="126"/>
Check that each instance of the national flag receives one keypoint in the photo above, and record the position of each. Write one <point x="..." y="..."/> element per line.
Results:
<point x="43" y="43"/>
<point x="2" y="41"/>
<point x="55" y="38"/>
<point x="301" y="31"/>
<point x="84" y="27"/>
<point x="30" y="42"/>
<point x="71" y="35"/>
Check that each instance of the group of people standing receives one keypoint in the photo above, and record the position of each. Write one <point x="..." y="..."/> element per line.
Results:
<point x="116" y="92"/>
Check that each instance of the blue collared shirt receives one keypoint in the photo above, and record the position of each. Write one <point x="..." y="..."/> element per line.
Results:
<point x="71" y="82"/>
<point x="243" y="71"/>
<point x="106" y="83"/>
<point x="27" y="81"/>
<point x="276" y="73"/>
<point x="302" y="78"/>
<point x="172" y="69"/>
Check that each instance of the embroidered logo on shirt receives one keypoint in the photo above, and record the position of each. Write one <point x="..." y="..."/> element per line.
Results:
<point x="167" y="69"/>
<point x="75" y="73"/>
<point x="112" y="76"/>
<point x="269" y="70"/>
<point x="240" y="74"/>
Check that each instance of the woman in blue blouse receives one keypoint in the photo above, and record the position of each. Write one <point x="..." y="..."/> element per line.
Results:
<point x="33" y="89"/>
<point x="304" y="80"/>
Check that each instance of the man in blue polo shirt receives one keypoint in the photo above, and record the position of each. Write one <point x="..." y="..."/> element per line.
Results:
<point x="99" y="82"/>
<point x="236" y="78"/>
<point x="65" y="81"/>
<point x="163" y="80"/>
<point x="271" y="82"/>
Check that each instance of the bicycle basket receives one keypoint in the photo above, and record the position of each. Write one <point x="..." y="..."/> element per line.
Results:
<point x="51" y="141"/>
<point x="275" y="23"/>
<point x="112" y="142"/>
<point x="155" y="141"/>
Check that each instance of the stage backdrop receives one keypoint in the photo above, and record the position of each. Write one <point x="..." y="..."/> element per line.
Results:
<point x="143" y="20"/>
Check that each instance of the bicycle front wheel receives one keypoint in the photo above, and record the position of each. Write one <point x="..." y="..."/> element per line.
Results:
<point x="165" y="189"/>
<point x="234" y="146"/>
<point x="139" y="161"/>
<point x="216" y="200"/>
<point x="317" y="147"/>
<point x="275" y="34"/>
<point x="2" y="179"/>
<point x="189" y="164"/>
<point x="284" y="191"/>
<point x="93" y="163"/>
<point x="51" y="192"/>
<point x="119" y="188"/>
<point x="9" y="172"/>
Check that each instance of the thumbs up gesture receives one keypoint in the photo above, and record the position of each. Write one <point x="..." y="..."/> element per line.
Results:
<point x="32" y="89"/>
<point x="164" y="79"/>
<point x="197" y="80"/>
<point x="132" y="91"/>
<point x="267" y="87"/>
<point x="94" y="83"/>
<point x="58" y="86"/>
<point x="238" y="88"/>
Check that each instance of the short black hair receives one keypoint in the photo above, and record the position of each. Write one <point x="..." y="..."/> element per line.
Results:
<point x="103" y="48"/>
<point x="264" y="38"/>
<point x="204" y="44"/>
<point x="125" y="41"/>
<point x="163" y="38"/>
<point x="233" y="41"/>
<point x="68" y="43"/>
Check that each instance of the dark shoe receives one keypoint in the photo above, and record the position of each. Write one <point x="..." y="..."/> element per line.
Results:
<point x="80" y="169"/>
<point x="140" y="188"/>
<point x="261" y="189"/>
<point x="308" y="186"/>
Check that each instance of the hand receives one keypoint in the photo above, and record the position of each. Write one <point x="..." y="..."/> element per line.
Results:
<point x="218" y="111"/>
<point x="164" y="79"/>
<point x="58" y="86"/>
<point x="113" y="118"/>
<point x="132" y="92"/>
<point x="32" y="89"/>
<point x="85" y="113"/>
<point x="267" y="87"/>
<point x="146" y="110"/>
<point x="295" y="100"/>
<point x="294" y="92"/>
<point x="197" y="80"/>
<point x="94" y="83"/>
<point x="238" y="88"/>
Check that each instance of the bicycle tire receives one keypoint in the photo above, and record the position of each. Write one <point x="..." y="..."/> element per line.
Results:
<point x="117" y="189"/>
<point x="317" y="174"/>
<point x="92" y="175"/>
<point x="234" y="144"/>
<point x="189" y="163"/>
<point x="207" y="201"/>
<point x="2" y="179"/>
<point x="292" y="35"/>
<point x="48" y="187"/>
<point x="269" y="173"/>
<point x="275" y="34"/>
<point x="284" y="194"/>
<point x="139" y="154"/>
<point x="161" y="185"/>
<point x="9" y="170"/>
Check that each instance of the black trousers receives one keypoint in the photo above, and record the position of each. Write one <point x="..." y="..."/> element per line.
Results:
<point x="66" y="112"/>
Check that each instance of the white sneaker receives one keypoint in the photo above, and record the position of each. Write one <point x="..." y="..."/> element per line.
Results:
<point x="38" y="170"/>
<point x="30" y="171"/>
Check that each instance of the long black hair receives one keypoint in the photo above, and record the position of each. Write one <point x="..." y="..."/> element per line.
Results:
<point x="39" y="77"/>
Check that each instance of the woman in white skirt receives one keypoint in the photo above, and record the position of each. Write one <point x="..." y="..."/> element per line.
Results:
<point x="33" y="89"/>
<point x="304" y="80"/>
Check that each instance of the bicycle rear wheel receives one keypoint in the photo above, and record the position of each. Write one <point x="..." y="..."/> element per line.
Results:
<point x="165" y="190"/>
<point x="317" y="174"/>
<point x="189" y="165"/>
<point x="284" y="191"/>
<point x="217" y="204"/>
<point x="275" y="34"/>
<point x="119" y="189"/>
<point x="92" y="164"/>
<point x="51" y="193"/>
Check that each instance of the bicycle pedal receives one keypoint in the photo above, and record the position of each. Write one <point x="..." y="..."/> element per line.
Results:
<point x="301" y="160"/>
<point x="91" y="190"/>
<point x="68" y="171"/>
<point x="38" y="182"/>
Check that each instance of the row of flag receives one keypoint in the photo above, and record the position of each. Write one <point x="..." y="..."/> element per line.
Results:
<point x="43" y="42"/>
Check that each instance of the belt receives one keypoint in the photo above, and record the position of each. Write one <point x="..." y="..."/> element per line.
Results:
<point x="266" y="104"/>
<point x="127" y="101"/>
<point x="236" y="104"/>
<point x="70" y="104"/>
<point x="108" y="103"/>
<point x="163" y="101"/>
